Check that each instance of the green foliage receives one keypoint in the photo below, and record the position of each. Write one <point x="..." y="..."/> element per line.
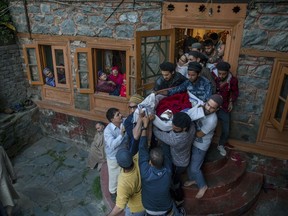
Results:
<point x="7" y="30"/>
<point x="96" y="188"/>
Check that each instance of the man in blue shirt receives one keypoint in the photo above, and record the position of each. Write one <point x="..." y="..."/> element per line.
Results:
<point x="196" y="84"/>
<point x="156" y="176"/>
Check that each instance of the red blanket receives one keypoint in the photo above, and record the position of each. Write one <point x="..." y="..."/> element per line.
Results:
<point x="175" y="103"/>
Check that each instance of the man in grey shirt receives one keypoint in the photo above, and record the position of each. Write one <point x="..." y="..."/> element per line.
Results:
<point x="180" y="140"/>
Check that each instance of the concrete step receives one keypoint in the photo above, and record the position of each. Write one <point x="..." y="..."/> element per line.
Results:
<point x="234" y="202"/>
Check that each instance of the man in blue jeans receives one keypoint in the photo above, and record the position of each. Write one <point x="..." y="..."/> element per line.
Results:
<point x="205" y="127"/>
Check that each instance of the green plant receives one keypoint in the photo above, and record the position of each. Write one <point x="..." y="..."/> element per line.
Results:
<point x="96" y="188"/>
<point x="7" y="30"/>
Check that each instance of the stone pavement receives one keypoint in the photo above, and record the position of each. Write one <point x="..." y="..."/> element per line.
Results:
<point x="53" y="180"/>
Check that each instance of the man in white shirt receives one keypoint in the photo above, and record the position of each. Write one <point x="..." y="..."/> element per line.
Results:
<point x="113" y="137"/>
<point x="205" y="127"/>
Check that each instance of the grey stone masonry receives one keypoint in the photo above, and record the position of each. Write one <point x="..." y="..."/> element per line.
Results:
<point x="266" y="27"/>
<point x="19" y="129"/>
<point x="12" y="79"/>
<point x="253" y="75"/>
<point x="90" y="19"/>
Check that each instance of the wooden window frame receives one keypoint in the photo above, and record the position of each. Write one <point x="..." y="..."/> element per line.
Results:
<point x="142" y="88"/>
<point x="26" y="59"/>
<point x="281" y="69"/>
<point x="64" y="49"/>
<point x="91" y="88"/>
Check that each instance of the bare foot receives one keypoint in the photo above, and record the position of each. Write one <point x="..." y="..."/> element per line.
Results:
<point x="189" y="183"/>
<point x="201" y="192"/>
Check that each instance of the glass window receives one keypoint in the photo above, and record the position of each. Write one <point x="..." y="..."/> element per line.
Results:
<point x="280" y="104"/>
<point x="33" y="68"/>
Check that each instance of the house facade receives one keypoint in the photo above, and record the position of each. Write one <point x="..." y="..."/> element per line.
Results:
<point x="78" y="38"/>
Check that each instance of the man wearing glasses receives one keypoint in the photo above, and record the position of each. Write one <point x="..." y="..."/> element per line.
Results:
<point x="113" y="138"/>
<point x="129" y="124"/>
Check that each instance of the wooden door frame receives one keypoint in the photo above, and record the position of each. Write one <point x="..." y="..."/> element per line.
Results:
<point x="232" y="22"/>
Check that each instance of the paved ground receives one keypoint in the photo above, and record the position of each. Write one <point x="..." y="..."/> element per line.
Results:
<point x="53" y="180"/>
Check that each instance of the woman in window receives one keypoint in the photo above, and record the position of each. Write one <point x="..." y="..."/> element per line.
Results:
<point x="117" y="78"/>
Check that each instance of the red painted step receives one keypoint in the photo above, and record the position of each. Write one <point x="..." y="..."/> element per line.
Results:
<point x="220" y="181"/>
<point x="235" y="202"/>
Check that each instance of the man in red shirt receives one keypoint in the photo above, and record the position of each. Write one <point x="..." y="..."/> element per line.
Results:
<point x="227" y="87"/>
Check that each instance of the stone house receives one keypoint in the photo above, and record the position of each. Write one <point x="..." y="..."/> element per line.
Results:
<point x="81" y="37"/>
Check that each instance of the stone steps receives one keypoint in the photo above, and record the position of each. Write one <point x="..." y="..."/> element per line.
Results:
<point x="231" y="190"/>
<point x="235" y="201"/>
<point x="220" y="181"/>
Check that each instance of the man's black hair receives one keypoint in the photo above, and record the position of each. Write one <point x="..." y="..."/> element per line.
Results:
<point x="157" y="157"/>
<point x="167" y="66"/>
<point x="181" y="120"/>
<point x="208" y="42"/>
<point x="111" y="113"/>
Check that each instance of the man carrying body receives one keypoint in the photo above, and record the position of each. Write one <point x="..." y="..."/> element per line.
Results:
<point x="155" y="168"/>
<point x="129" y="186"/>
<point x="129" y="124"/>
<point x="113" y="137"/>
<point x="196" y="84"/>
<point x="204" y="133"/>
<point x="180" y="140"/>
<point x="227" y="87"/>
<point x="169" y="77"/>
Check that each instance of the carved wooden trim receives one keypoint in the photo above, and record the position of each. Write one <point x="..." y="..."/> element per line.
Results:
<point x="89" y="40"/>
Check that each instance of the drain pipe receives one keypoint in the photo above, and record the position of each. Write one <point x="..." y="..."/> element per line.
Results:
<point x="27" y="19"/>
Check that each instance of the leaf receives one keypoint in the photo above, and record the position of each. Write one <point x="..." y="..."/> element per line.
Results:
<point x="8" y="25"/>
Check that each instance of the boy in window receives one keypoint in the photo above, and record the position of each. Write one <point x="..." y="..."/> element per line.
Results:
<point x="61" y="74"/>
<point x="49" y="77"/>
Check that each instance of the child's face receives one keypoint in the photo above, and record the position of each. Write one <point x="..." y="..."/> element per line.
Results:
<point x="99" y="127"/>
<point x="115" y="72"/>
<point x="103" y="76"/>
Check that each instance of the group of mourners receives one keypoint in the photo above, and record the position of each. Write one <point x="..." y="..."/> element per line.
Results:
<point x="167" y="134"/>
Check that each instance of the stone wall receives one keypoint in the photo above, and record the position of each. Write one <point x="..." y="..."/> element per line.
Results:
<point x="19" y="129"/>
<point x="67" y="128"/>
<point x="89" y="18"/>
<point x="12" y="79"/>
<point x="265" y="29"/>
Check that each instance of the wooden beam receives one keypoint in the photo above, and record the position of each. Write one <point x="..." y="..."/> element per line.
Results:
<point x="259" y="53"/>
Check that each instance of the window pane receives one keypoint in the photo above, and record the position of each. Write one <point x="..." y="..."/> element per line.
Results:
<point x="83" y="70"/>
<point x="32" y="62"/>
<point x="279" y="110"/>
<point x="34" y="73"/>
<point x="284" y="89"/>
<point x="154" y="51"/>
<point x="59" y="56"/>
<point x="31" y="53"/>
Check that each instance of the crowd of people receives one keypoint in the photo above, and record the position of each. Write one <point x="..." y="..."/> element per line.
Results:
<point x="169" y="132"/>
